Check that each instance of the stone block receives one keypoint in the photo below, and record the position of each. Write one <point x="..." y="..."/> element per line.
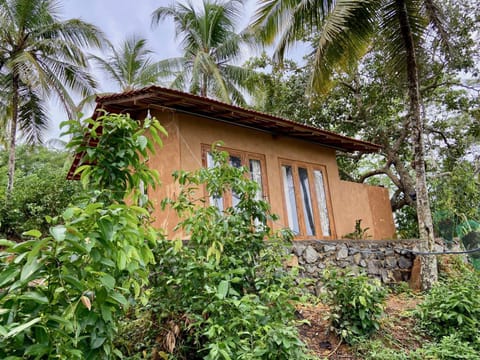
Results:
<point x="386" y="276"/>
<point x="310" y="269"/>
<point x="310" y="255"/>
<point x="328" y="248"/>
<point x="353" y="251"/>
<point x="389" y="252"/>
<point x="391" y="262"/>
<point x="298" y="249"/>
<point x="357" y="258"/>
<point x="404" y="262"/>
<point x="342" y="253"/>
<point x="372" y="268"/>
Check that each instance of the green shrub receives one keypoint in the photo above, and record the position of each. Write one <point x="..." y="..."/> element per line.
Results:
<point x="62" y="295"/>
<point x="225" y="295"/>
<point x="452" y="306"/>
<point x="451" y="347"/>
<point x="376" y="350"/>
<point x="356" y="303"/>
<point x="41" y="190"/>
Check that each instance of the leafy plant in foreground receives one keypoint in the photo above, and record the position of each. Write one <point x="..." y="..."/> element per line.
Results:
<point x="62" y="295"/>
<point x="356" y="303"/>
<point x="453" y="306"/>
<point x="226" y="294"/>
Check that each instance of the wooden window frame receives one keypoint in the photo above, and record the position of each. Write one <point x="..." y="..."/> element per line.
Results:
<point x="245" y="157"/>
<point x="311" y="167"/>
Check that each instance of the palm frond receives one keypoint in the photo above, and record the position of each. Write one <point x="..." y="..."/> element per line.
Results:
<point x="436" y="18"/>
<point x="345" y="36"/>
<point x="32" y="116"/>
<point x="390" y="29"/>
<point x="209" y="42"/>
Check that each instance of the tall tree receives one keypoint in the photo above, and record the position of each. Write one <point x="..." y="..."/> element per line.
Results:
<point x="40" y="56"/>
<point x="131" y="66"/>
<point x="210" y="45"/>
<point x="346" y="29"/>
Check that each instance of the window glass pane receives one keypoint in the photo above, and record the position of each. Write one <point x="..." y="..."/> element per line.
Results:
<point x="306" y="201"/>
<point x="236" y="162"/>
<point x="214" y="200"/>
<point x="256" y="175"/>
<point x="289" y="191"/>
<point x="322" y="202"/>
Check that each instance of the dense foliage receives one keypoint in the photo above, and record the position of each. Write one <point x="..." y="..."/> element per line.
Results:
<point x="63" y="294"/>
<point x="453" y="307"/>
<point x="41" y="191"/>
<point x="225" y="295"/>
<point x="356" y="304"/>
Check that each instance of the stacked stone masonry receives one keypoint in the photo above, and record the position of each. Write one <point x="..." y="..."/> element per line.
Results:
<point x="390" y="261"/>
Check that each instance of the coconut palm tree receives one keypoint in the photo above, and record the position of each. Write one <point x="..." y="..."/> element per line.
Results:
<point x="210" y="45"/>
<point x="131" y="67"/>
<point x="346" y="29"/>
<point x="40" y="56"/>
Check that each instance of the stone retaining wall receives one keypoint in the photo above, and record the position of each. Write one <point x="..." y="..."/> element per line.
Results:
<point x="390" y="261"/>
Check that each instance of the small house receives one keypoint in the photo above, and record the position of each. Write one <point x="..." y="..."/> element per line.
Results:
<point x="294" y="164"/>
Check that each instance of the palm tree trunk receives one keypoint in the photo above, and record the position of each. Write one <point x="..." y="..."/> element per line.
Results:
<point x="428" y="271"/>
<point x="13" y="135"/>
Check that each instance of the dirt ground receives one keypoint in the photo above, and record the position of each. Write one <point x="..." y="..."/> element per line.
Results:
<point x="396" y="327"/>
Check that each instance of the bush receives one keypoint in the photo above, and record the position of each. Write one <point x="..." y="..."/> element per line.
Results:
<point x="356" y="303"/>
<point x="451" y="347"/>
<point x="376" y="350"/>
<point x="41" y="190"/>
<point x="225" y="295"/>
<point x="62" y="295"/>
<point x="453" y="306"/>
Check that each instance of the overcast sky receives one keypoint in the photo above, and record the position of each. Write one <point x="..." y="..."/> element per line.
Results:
<point x="119" y="19"/>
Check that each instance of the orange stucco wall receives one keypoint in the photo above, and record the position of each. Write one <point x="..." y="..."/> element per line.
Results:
<point x="183" y="150"/>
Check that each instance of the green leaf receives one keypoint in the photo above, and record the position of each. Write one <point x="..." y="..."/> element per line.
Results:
<point x="68" y="325"/>
<point x="7" y="243"/>
<point x="3" y="331"/>
<point x="97" y="342"/>
<point x="68" y="213"/>
<point x="36" y="249"/>
<point x="58" y="232"/>
<point x="37" y="350"/>
<point x="17" y="330"/>
<point x="222" y="289"/>
<point x="106" y="313"/>
<point x="106" y="229"/>
<point x="4" y="311"/>
<point x="34" y="296"/>
<point x="73" y="281"/>
<point x="118" y="298"/>
<point x="29" y="269"/>
<point x="8" y="275"/>
<point x="142" y="142"/>
<point x="121" y="260"/>
<point x="32" y="233"/>
<point x="108" y="281"/>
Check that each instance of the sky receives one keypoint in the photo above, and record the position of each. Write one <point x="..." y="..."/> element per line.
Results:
<point x="119" y="19"/>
